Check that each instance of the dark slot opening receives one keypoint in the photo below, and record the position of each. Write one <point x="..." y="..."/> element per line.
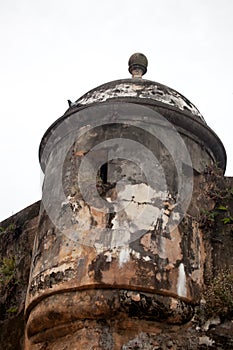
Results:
<point x="104" y="173"/>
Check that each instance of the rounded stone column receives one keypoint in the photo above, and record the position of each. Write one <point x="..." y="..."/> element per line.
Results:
<point x="117" y="239"/>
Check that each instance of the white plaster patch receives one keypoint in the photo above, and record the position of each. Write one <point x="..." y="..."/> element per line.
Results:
<point x="60" y="268"/>
<point x="120" y="236"/>
<point x="181" y="283"/>
<point x="164" y="221"/>
<point x="115" y="223"/>
<point x="141" y="213"/>
<point x="137" y="255"/>
<point x="206" y="341"/>
<point x="140" y="193"/>
<point x="176" y="216"/>
<point x="212" y="321"/>
<point x="99" y="247"/>
<point x="146" y="258"/>
<point x="124" y="256"/>
<point x="109" y="256"/>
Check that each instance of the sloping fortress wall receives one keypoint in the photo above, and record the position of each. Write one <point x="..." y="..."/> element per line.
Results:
<point x="132" y="240"/>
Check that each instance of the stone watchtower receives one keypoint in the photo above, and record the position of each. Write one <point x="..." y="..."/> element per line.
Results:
<point x="119" y="255"/>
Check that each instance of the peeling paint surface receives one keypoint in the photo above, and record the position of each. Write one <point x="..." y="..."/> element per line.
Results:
<point x="140" y="211"/>
<point x="137" y="260"/>
<point x="124" y="256"/>
<point x="135" y="245"/>
<point x="151" y="91"/>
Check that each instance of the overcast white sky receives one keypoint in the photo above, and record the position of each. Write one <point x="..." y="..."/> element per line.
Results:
<point x="54" y="50"/>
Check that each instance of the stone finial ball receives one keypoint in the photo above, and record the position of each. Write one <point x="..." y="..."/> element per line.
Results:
<point x="138" y="60"/>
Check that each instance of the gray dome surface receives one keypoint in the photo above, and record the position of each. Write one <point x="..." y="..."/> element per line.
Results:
<point x="140" y="89"/>
<point x="176" y="108"/>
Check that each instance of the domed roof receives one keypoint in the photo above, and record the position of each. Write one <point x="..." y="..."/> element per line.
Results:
<point x="171" y="104"/>
<point x="145" y="90"/>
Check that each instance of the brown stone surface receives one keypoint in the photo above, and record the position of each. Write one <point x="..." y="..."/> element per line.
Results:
<point x="16" y="244"/>
<point x="120" y="319"/>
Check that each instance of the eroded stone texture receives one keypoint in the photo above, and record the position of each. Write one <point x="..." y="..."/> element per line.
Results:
<point x="139" y="258"/>
<point x="133" y="319"/>
<point x="16" y="244"/>
<point x="118" y="235"/>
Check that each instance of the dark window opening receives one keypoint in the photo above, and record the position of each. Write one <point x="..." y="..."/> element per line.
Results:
<point x="104" y="173"/>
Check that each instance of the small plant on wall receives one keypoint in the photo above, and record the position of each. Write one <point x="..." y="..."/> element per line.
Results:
<point x="7" y="270"/>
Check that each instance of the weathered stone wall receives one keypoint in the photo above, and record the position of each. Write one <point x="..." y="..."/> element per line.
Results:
<point x="124" y="325"/>
<point x="16" y="244"/>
